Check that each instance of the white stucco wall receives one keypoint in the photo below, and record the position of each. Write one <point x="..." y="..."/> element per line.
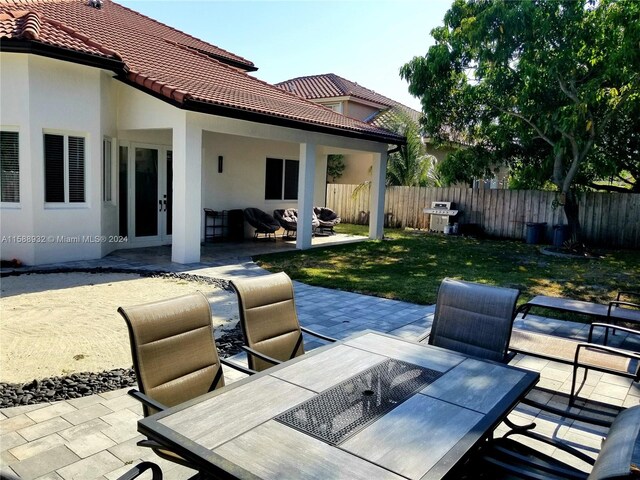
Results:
<point x="108" y="127"/>
<point x="16" y="219"/>
<point x="63" y="98"/>
<point x="242" y="181"/>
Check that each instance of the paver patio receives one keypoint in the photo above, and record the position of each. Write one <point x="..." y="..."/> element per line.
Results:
<point x="95" y="436"/>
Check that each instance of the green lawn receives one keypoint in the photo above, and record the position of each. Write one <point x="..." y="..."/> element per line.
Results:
<point x="410" y="265"/>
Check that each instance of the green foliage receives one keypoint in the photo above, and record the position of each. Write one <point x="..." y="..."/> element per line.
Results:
<point x="410" y="265"/>
<point x="335" y="166"/>
<point x="410" y="166"/>
<point x="539" y="85"/>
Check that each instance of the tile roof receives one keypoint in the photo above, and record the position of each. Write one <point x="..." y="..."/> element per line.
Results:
<point x="27" y="25"/>
<point x="175" y="66"/>
<point x="329" y="85"/>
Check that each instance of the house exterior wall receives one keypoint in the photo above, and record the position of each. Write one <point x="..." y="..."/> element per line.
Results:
<point x="108" y="127"/>
<point x="64" y="98"/>
<point x="16" y="219"/>
<point x="42" y="95"/>
<point x="358" y="110"/>
<point x="241" y="184"/>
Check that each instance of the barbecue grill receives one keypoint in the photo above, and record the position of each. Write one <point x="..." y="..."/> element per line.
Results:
<point x="442" y="215"/>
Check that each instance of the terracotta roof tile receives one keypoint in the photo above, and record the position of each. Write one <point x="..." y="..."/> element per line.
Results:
<point x="329" y="85"/>
<point x="173" y="64"/>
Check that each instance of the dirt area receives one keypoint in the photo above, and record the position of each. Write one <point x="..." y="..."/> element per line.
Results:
<point x="60" y="323"/>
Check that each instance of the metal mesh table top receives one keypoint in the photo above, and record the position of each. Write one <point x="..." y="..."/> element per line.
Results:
<point x="343" y="410"/>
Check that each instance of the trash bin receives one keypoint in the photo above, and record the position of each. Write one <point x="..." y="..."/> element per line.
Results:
<point x="535" y="232"/>
<point x="560" y="235"/>
<point x="235" y="222"/>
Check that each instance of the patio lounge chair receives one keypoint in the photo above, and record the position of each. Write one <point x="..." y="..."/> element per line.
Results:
<point x="619" y="457"/>
<point x="263" y="223"/>
<point x="269" y="320"/>
<point x="327" y="219"/>
<point x="474" y="319"/>
<point x="588" y="355"/>
<point x="616" y="312"/>
<point x="174" y="355"/>
<point x="288" y="220"/>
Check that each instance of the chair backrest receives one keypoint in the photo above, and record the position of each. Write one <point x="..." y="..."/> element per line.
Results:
<point x="260" y="219"/>
<point x="173" y="349"/>
<point x="268" y="318"/>
<point x="620" y="454"/>
<point x="474" y="319"/>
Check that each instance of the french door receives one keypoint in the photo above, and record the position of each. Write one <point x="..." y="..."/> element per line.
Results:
<point x="150" y="194"/>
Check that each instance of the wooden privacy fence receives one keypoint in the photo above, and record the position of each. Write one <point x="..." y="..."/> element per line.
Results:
<point x="607" y="219"/>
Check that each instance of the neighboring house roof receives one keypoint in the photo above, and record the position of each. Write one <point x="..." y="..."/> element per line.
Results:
<point x="330" y="85"/>
<point x="165" y="62"/>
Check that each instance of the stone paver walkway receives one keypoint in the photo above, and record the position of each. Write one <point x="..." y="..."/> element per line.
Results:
<point x="95" y="437"/>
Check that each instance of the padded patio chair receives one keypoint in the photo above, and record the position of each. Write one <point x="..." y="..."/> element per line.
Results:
<point x="619" y="457"/>
<point x="288" y="220"/>
<point x="174" y="356"/>
<point x="262" y="222"/>
<point x="474" y="319"/>
<point x="269" y="320"/>
<point x="327" y="219"/>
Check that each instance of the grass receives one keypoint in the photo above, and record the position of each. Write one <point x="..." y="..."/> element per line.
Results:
<point x="409" y="265"/>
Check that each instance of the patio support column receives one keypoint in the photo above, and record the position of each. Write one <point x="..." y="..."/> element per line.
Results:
<point x="306" y="178"/>
<point x="187" y="192"/>
<point x="378" y="175"/>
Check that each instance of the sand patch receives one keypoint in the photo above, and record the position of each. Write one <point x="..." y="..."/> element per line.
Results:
<point x="60" y="323"/>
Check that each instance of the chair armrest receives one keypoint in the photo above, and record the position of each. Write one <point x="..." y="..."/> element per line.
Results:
<point x="565" y="413"/>
<point x="148" y="401"/>
<point x="261" y="356"/>
<point x="627" y="292"/>
<point x="604" y="348"/>
<point x="316" y="334"/>
<point x="618" y="303"/>
<point x="608" y="326"/>
<point x="236" y="366"/>
<point x="142" y="467"/>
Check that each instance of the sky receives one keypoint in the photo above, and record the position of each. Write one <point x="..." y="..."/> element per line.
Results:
<point x="365" y="41"/>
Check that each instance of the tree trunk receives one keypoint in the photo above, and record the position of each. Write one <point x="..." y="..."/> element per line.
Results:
<point x="571" y="210"/>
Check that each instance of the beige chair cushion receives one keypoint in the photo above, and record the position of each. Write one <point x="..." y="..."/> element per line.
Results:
<point x="173" y="348"/>
<point x="268" y="318"/>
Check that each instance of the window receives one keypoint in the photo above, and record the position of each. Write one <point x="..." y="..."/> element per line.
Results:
<point x="106" y="170"/>
<point x="64" y="166"/>
<point x="281" y="179"/>
<point x="336" y="107"/>
<point x="9" y="167"/>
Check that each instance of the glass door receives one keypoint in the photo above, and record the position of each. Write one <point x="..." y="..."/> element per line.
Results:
<point x="151" y="194"/>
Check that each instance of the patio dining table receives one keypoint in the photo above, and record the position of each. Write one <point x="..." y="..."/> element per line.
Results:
<point x="371" y="406"/>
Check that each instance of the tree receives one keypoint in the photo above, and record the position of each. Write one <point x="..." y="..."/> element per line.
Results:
<point x="410" y="165"/>
<point x="533" y="84"/>
<point x="335" y="166"/>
